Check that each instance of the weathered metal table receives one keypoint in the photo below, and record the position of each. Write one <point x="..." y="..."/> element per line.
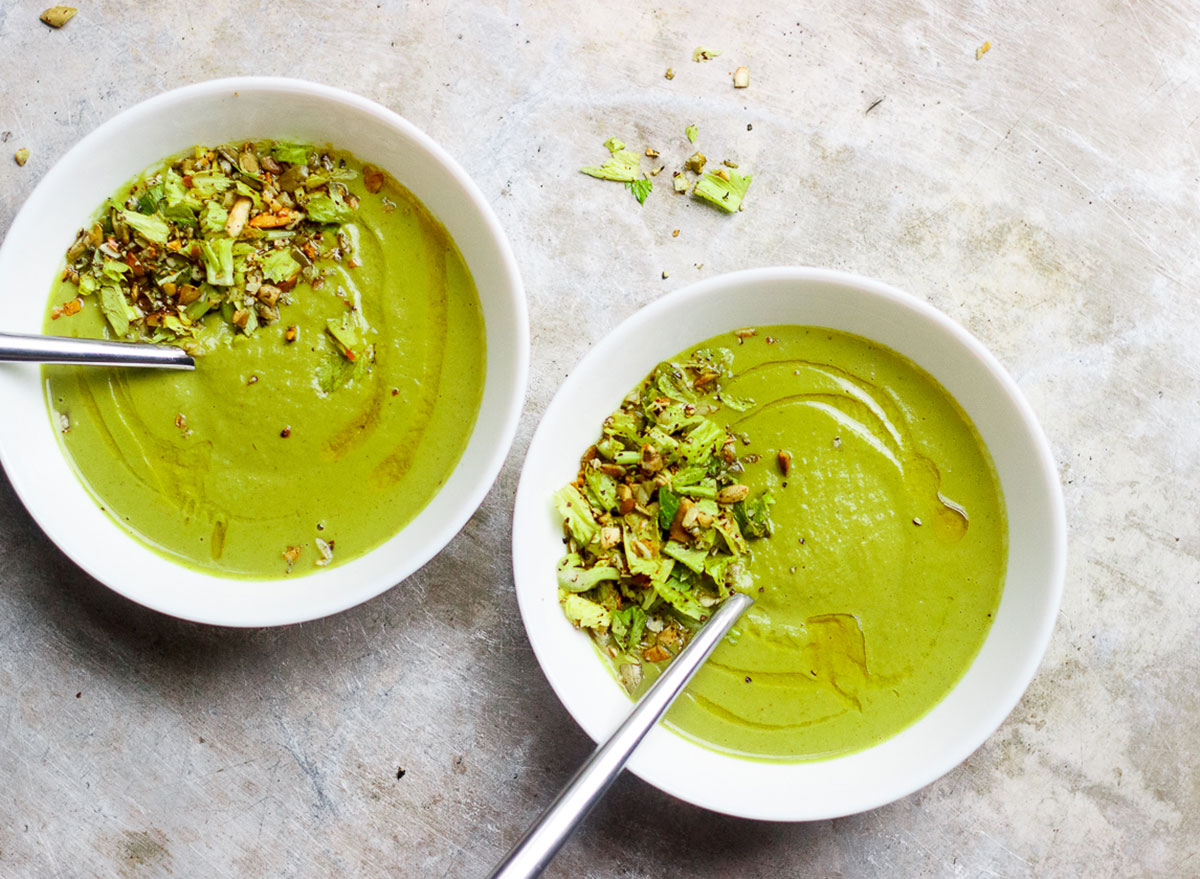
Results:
<point x="1045" y="195"/>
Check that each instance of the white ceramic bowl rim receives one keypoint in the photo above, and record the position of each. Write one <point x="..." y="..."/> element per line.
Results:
<point x="988" y="691"/>
<point x="215" y="112"/>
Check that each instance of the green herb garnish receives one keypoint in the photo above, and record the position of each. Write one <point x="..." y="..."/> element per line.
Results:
<point x="227" y="231"/>
<point x="656" y="523"/>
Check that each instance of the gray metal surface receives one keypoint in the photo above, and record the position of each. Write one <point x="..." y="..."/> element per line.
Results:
<point x="539" y="844"/>
<point x="1045" y="196"/>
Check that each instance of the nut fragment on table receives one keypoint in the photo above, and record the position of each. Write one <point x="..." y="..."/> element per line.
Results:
<point x="57" y="16"/>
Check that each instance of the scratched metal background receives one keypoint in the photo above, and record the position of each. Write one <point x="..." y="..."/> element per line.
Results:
<point x="1046" y="196"/>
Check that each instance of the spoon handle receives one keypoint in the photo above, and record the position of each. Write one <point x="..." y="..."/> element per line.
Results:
<point x="56" y="349"/>
<point x="542" y="841"/>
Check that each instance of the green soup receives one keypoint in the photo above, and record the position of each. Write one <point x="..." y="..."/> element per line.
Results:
<point x="879" y="584"/>
<point x="259" y="463"/>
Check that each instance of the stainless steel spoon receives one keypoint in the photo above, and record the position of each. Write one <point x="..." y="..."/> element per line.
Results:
<point x="543" y="840"/>
<point x="56" y="349"/>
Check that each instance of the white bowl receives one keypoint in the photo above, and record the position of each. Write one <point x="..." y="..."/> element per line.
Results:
<point x="214" y="113"/>
<point x="800" y="791"/>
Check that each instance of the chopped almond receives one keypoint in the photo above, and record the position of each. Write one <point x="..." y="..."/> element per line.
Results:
<point x="655" y="654"/>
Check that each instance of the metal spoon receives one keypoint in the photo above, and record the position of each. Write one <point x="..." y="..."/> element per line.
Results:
<point x="56" y="349"/>
<point x="543" y="840"/>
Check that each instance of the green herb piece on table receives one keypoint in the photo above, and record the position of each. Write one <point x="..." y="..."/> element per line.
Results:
<point x="692" y="133"/>
<point x="640" y="189"/>
<point x="723" y="188"/>
<point x="622" y="166"/>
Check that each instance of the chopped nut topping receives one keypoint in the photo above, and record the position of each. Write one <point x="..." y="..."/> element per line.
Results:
<point x="66" y="309"/>
<point x="678" y="530"/>
<point x="291" y="333"/>
<point x="785" y="462"/>
<point x="655" y="654"/>
<point x="732" y="494"/>
<point x="625" y="499"/>
<point x="372" y="179"/>
<point x="238" y="214"/>
<point x="290" y="555"/>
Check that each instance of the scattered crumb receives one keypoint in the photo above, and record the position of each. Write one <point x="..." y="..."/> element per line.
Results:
<point x="700" y="53"/>
<point x="400" y="772"/>
<point x="21" y="156"/>
<point x="57" y="16"/>
<point x="741" y="77"/>
<point x="670" y="74"/>
<point x="982" y="50"/>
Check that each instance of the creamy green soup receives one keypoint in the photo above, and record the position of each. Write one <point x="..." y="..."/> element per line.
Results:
<point x="879" y="583"/>
<point x="278" y="454"/>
